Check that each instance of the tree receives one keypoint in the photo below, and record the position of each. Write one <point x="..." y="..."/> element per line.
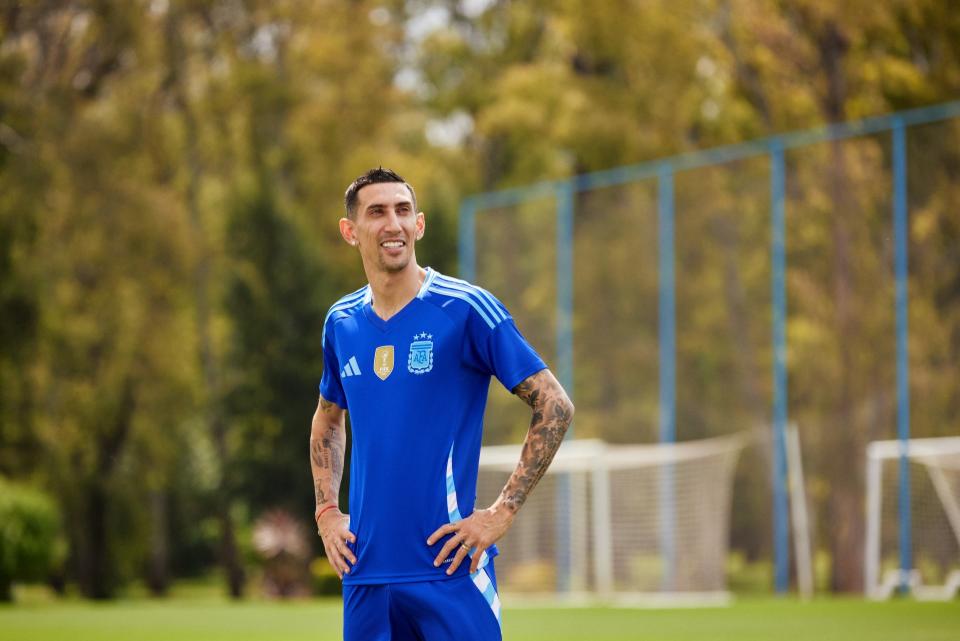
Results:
<point x="276" y="298"/>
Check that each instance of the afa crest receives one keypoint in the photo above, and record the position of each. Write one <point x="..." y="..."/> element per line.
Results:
<point x="420" y="360"/>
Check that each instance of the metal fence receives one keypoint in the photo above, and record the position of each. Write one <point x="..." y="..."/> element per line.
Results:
<point x="598" y="269"/>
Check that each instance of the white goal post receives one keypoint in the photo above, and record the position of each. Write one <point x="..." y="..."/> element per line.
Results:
<point x="934" y="465"/>
<point x="620" y="521"/>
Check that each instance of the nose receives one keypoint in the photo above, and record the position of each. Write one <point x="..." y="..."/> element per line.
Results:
<point x="392" y="222"/>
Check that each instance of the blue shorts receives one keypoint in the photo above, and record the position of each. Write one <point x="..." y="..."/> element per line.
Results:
<point x="465" y="608"/>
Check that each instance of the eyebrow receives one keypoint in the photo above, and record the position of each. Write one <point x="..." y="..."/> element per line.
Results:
<point x="398" y="203"/>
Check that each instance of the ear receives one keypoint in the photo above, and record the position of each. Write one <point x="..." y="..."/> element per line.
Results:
<point x="348" y="232"/>
<point x="421" y="225"/>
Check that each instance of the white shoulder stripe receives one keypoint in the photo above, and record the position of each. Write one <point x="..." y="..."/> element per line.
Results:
<point x="477" y="289"/>
<point x="440" y="289"/>
<point x="431" y="274"/>
<point x="350" y="299"/>
<point x="488" y="300"/>
<point x="347" y="302"/>
<point x="477" y="293"/>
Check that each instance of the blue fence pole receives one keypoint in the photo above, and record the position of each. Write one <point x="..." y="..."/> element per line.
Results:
<point x="668" y="367"/>
<point x="468" y="247"/>
<point x="781" y="534"/>
<point x="901" y="268"/>
<point x="564" y="196"/>
<point x="565" y="287"/>
<point x="667" y="317"/>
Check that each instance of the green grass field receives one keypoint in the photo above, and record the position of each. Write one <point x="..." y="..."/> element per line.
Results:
<point x="319" y="620"/>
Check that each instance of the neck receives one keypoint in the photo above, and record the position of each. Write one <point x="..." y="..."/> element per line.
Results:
<point x="393" y="290"/>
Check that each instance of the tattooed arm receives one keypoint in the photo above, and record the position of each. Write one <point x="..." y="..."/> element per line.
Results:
<point x="552" y="414"/>
<point x="328" y="440"/>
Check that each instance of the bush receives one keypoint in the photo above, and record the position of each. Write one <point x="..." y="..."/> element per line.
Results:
<point x="748" y="577"/>
<point x="29" y="535"/>
<point x="325" y="579"/>
<point x="533" y="576"/>
<point x="282" y="542"/>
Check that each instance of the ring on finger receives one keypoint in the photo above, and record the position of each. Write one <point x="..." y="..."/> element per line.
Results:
<point x="465" y="546"/>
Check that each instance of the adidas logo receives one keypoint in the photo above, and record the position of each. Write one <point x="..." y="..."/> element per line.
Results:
<point x="351" y="368"/>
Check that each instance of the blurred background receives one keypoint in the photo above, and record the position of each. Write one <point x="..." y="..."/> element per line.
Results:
<point x="171" y="174"/>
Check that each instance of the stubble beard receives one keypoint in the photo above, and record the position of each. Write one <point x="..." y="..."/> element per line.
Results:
<point x="393" y="267"/>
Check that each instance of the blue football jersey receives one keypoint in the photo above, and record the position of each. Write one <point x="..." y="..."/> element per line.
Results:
<point x="415" y="387"/>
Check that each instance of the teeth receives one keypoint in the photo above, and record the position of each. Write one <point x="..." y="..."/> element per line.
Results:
<point x="392" y="243"/>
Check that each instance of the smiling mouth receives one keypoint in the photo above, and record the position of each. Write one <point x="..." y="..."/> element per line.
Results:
<point x="393" y="244"/>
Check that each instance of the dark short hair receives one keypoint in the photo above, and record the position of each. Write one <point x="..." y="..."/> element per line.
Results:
<point x="372" y="176"/>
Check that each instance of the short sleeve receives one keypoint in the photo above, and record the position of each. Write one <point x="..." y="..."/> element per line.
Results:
<point x="331" y="387"/>
<point x="494" y="345"/>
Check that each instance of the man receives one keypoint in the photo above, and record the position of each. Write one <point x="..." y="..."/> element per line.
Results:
<point x="410" y="356"/>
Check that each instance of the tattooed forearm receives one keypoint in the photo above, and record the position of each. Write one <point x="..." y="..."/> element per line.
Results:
<point x="327" y="454"/>
<point x="327" y="443"/>
<point x="552" y="414"/>
<point x="320" y="494"/>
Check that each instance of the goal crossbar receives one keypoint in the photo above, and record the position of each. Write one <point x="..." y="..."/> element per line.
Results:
<point x="583" y="454"/>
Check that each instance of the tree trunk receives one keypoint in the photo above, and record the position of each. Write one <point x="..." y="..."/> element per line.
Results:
<point x="158" y="569"/>
<point x="229" y="555"/>
<point x="99" y="582"/>
<point x="177" y="85"/>
<point x="845" y="503"/>
<point x="100" y="568"/>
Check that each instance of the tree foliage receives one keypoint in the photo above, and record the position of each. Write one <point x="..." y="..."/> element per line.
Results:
<point x="170" y="180"/>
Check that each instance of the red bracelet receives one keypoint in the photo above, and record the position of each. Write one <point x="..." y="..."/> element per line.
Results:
<point x="320" y="513"/>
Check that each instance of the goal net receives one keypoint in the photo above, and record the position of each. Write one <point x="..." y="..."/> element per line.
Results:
<point x="619" y="520"/>
<point x="934" y="468"/>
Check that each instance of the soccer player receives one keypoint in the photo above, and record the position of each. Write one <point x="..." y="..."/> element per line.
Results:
<point x="410" y="356"/>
